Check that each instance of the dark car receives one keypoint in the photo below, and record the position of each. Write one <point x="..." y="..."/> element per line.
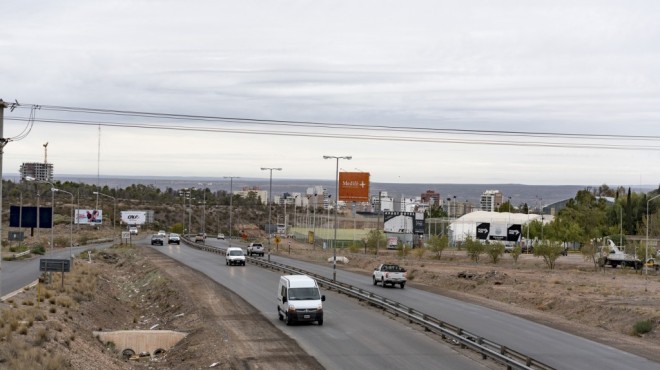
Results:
<point x="157" y="240"/>
<point x="174" y="239"/>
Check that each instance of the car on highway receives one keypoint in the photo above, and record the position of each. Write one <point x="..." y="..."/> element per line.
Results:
<point x="299" y="299"/>
<point x="255" y="248"/>
<point x="173" y="239"/>
<point x="133" y="230"/>
<point x="234" y="256"/>
<point x="157" y="239"/>
<point x="200" y="237"/>
<point x="162" y="233"/>
<point x="221" y="236"/>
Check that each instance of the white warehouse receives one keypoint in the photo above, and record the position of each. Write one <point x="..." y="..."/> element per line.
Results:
<point x="466" y="226"/>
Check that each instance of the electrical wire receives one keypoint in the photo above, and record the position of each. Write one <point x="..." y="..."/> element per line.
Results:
<point x="345" y="131"/>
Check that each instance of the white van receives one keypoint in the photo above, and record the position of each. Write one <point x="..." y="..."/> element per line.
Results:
<point x="235" y="256"/>
<point x="299" y="300"/>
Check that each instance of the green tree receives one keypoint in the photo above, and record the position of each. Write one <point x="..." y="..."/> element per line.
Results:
<point x="437" y="244"/>
<point x="474" y="248"/>
<point x="375" y="238"/>
<point x="588" y="213"/>
<point x="533" y="229"/>
<point x="515" y="253"/>
<point x="590" y="253"/>
<point x="435" y="211"/>
<point x="495" y="251"/>
<point x="550" y="251"/>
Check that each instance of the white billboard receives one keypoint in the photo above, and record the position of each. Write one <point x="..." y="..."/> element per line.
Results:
<point x="88" y="217"/>
<point x="134" y="217"/>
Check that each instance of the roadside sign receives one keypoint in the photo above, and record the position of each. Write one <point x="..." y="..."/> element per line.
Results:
<point x="54" y="265"/>
<point x="16" y="235"/>
<point x="354" y="186"/>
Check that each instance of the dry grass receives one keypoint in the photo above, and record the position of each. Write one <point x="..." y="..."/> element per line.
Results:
<point x="25" y="329"/>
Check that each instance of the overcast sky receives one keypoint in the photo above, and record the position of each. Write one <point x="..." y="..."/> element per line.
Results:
<point x="565" y="67"/>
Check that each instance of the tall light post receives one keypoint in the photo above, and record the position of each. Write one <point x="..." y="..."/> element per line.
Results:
<point x="183" y="193"/>
<point x="54" y="190"/>
<point x="316" y="205"/>
<point x="270" y="199"/>
<point x="114" y="211"/>
<point x="204" y="184"/>
<point x="231" y="196"/>
<point x="648" y="221"/>
<point x="334" y="243"/>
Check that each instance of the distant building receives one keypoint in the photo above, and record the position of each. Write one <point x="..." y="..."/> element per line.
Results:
<point x="382" y="202"/>
<point x="317" y="197"/>
<point x="262" y="194"/>
<point x="37" y="170"/>
<point x="491" y="200"/>
<point x="431" y="198"/>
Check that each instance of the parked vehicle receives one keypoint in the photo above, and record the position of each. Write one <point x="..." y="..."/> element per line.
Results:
<point x="617" y="256"/>
<point x="299" y="299"/>
<point x="389" y="273"/>
<point x="157" y="240"/>
<point x="255" y="248"/>
<point x="173" y="239"/>
<point x="652" y="265"/>
<point x="234" y="256"/>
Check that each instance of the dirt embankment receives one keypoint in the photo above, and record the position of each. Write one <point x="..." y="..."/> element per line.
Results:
<point x="139" y="288"/>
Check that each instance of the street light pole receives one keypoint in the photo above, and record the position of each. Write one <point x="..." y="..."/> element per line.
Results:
<point x="204" y="205"/>
<point x="231" y="196"/>
<point x="334" y="243"/>
<point x="114" y="211"/>
<point x="270" y="199"/>
<point x="53" y="190"/>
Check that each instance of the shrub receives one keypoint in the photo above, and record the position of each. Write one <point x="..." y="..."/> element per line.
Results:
<point x="354" y="247"/>
<point x="550" y="251"/>
<point x="474" y="248"/>
<point x="438" y="244"/>
<point x="642" y="327"/>
<point x="39" y="249"/>
<point x="61" y="241"/>
<point x="515" y="253"/>
<point x="419" y="252"/>
<point x="495" y="251"/>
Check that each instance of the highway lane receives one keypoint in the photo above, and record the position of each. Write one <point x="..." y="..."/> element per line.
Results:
<point x="352" y="337"/>
<point x="18" y="274"/>
<point x="556" y="348"/>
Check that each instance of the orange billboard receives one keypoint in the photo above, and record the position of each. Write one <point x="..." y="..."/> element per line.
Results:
<point x="354" y="186"/>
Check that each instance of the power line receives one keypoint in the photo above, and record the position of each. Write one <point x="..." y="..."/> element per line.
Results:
<point x="348" y="131"/>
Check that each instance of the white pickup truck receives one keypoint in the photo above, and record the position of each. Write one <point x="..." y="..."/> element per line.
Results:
<point x="255" y="248"/>
<point x="388" y="273"/>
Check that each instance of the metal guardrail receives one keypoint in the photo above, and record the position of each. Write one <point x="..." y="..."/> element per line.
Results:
<point x="488" y="349"/>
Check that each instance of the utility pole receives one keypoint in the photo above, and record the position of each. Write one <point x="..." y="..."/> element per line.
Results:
<point x="3" y="142"/>
<point x="231" y="207"/>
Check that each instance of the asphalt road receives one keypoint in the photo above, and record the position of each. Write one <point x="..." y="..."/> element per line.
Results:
<point x="352" y="337"/>
<point x="553" y="347"/>
<point x="18" y="274"/>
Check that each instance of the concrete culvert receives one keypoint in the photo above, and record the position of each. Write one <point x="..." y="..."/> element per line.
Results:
<point x="127" y="353"/>
<point x="147" y="342"/>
